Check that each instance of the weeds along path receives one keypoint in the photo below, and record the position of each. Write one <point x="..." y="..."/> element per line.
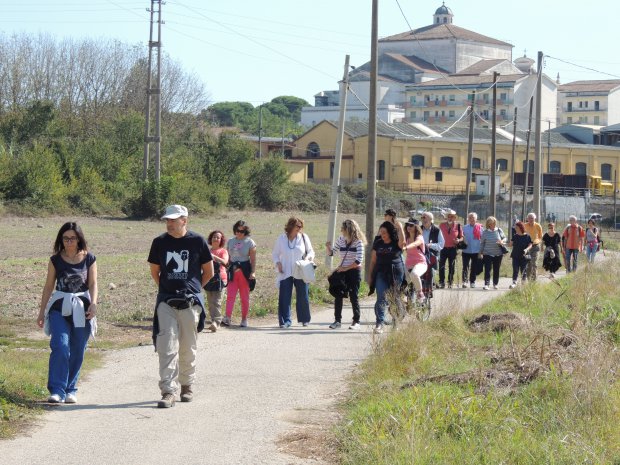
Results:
<point x="263" y="396"/>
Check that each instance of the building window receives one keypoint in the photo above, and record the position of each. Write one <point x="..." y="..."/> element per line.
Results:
<point x="473" y="177"/>
<point x="452" y="97"/>
<point x="331" y="170"/>
<point x="597" y="120"/>
<point x="586" y="104"/>
<point x="381" y="170"/>
<point x="555" y="167"/>
<point x="502" y="164"/>
<point x="412" y="100"/>
<point x="569" y="106"/>
<point x="580" y="104"/>
<point x="470" y="97"/>
<point x="311" y="170"/>
<point x="445" y="162"/>
<point x="417" y="161"/>
<point x="581" y="168"/>
<point x="503" y="96"/>
<point x="475" y="163"/>
<point x="596" y="105"/>
<point x="427" y="115"/>
<point x="530" y="166"/>
<point x="438" y="176"/>
<point x="417" y="173"/>
<point x="606" y="171"/>
<point x="313" y="150"/>
<point x="412" y="115"/>
<point x="502" y="112"/>
<point x="451" y="114"/>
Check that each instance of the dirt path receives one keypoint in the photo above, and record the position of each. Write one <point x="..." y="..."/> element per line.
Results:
<point x="254" y="386"/>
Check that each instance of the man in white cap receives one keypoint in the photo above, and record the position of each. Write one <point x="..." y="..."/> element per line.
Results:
<point x="181" y="264"/>
<point x="534" y="230"/>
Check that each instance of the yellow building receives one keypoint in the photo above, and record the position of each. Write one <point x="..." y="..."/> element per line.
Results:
<point x="419" y="158"/>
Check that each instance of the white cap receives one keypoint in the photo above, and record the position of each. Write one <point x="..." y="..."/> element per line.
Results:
<point x="174" y="211"/>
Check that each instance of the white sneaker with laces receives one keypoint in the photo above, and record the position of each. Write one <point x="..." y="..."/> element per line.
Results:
<point x="335" y="325"/>
<point x="354" y="325"/>
<point x="244" y="323"/>
<point x="226" y="321"/>
<point x="513" y="285"/>
<point x="71" y="399"/>
<point x="378" y="328"/>
<point x="486" y="288"/>
<point x="494" y="286"/>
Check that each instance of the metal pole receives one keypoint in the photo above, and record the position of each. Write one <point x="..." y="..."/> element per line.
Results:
<point x="333" y="205"/>
<point x="538" y="150"/>
<point x="527" y="161"/>
<point x="493" y="145"/>
<point x="470" y="153"/>
<point x="372" y="133"/>
<point x="512" y="172"/>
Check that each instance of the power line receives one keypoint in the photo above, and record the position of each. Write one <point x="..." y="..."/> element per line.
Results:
<point x="583" y="67"/>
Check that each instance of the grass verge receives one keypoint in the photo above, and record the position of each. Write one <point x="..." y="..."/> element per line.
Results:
<point x="530" y="378"/>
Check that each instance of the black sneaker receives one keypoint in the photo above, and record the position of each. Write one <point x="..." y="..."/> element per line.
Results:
<point x="335" y="325"/>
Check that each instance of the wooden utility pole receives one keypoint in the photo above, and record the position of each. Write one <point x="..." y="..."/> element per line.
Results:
<point x="527" y="160"/>
<point x="512" y="170"/>
<point x="372" y="133"/>
<point x="493" y="145"/>
<point x="470" y="153"/>
<point x="153" y="94"/>
<point x="538" y="141"/>
<point x="260" y="131"/>
<point x="333" y="205"/>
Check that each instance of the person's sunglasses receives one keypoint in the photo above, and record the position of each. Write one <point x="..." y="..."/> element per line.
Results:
<point x="69" y="238"/>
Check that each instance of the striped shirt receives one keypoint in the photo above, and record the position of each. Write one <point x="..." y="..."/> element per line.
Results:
<point x="488" y="242"/>
<point x="349" y="253"/>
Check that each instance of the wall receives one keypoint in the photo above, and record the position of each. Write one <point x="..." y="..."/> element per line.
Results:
<point x="613" y="115"/>
<point x="469" y="53"/>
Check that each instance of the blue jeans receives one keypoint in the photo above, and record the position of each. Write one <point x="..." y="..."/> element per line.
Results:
<point x="384" y="282"/>
<point x="302" y="304"/>
<point x="571" y="253"/>
<point x="591" y="248"/>
<point x="68" y="345"/>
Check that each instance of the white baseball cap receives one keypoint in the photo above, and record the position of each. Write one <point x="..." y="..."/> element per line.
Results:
<point x="174" y="211"/>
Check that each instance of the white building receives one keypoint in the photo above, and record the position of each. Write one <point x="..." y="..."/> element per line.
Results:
<point x="589" y="102"/>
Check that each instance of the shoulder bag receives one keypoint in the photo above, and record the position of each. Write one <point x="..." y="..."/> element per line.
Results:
<point x="304" y="269"/>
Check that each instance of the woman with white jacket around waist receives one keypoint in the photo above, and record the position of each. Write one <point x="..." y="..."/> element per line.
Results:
<point x="67" y="311"/>
<point x="290" y="246"/>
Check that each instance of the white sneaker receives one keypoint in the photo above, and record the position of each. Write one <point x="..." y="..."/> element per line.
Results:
<point x="335" y="325"/>
<point x="226" y="321"/>
<point x="486" y="288"/>
<point x="494" y="286"/>
<point x="552" y="275"/>
<point x="305" y="323"/>
<point x="512" y="286"/>
<point x="244" y="323"/>
<point x="54" y="399"/>
<point x="354" y="325"/>
<point x="378" y="328"/>
<point x="472" y="285"/>
<point x="71" y="399"/>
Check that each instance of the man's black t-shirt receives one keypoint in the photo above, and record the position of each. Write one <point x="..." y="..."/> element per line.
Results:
<point x="181" y="261"/>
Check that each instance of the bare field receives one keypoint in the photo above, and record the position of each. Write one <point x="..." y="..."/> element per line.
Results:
<point x="127" y="293"/>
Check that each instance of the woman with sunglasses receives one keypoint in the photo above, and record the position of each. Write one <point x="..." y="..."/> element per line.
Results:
<point x="68" y="310"/>
<point x="292" y="245"/>
<point x="242" y="269"/>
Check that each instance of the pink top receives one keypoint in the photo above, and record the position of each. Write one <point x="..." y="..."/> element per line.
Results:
<point x="223" y="254"/>
<point x="415" y="256"/>
<point x="450" y="233"/>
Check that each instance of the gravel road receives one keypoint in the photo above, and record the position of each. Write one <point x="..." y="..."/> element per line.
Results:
<point x="253" y="387"/>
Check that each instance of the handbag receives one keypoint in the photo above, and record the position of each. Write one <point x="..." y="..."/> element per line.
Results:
<point x="337" y="281"/>
<point x="461" y="245"/>
<point x="504" y="249"/>
<point x="215" y="284"/>
<point x="304" y="270"/>
<point x="338" y="285"/>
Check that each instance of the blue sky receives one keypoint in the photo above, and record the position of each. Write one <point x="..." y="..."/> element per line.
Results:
<point x="255" y="50"/>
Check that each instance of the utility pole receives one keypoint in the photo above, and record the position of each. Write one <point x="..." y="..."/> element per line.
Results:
<point x="153" y="94"/>
<point x="512" y="170"/>
<point x="493" y="145"/>
<point x="260" y="132"/>
<point x="527" y="161"/>
<point x="470" y="153"/>
<point x="538" y="151"/>
<point x="372" y="133"/>
<point x="283" y="126"/>
<point x="333" y="205"/>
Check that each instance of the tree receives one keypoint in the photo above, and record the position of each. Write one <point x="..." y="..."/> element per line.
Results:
<point x="293" y="105"/>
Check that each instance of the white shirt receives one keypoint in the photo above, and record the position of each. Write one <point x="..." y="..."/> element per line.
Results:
<point x="287" y="252"/>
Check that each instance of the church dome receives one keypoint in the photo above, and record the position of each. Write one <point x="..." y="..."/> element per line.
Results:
<point x="443" y="10"/>
<point x="524" y="64"/>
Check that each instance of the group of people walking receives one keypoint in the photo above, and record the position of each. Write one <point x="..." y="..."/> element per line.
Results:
<point x="183" y="263"/>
